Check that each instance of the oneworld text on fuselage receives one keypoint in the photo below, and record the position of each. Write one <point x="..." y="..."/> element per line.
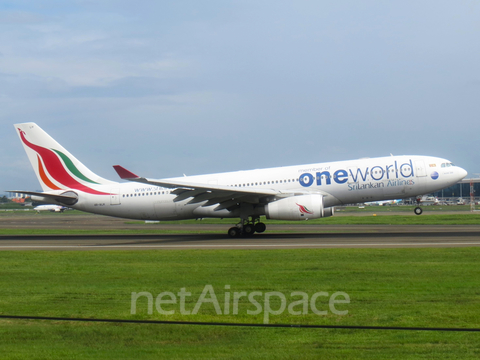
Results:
<point x="393" y="173"/>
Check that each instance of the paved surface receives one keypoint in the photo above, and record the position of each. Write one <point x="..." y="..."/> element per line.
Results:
<point x="276" y="237"/>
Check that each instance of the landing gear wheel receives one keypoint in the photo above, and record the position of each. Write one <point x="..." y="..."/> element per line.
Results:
<point x="248" y="230"/>
<point x="234" y="232"/>
<point x="418" y="211"/>
<point x="260" y="227"/>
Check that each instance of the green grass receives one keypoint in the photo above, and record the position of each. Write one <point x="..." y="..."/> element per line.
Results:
<point x="426" y="219"/>
<point x="14" y="206"/>
<point x="387" y="287"/>
<point x="405" y="208"/>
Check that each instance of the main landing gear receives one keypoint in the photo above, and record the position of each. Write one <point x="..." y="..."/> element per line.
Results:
<point x="247" y="228"/>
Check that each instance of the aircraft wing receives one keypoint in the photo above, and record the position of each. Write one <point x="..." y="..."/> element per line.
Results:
<point x="226" y="196"/>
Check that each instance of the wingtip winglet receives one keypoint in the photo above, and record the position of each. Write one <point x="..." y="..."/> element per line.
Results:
<point x="124" y="173"/>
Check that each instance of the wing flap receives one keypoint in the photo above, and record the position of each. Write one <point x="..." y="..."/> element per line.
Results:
<point x="226" y="205"/>
<point x="183" y="194"/>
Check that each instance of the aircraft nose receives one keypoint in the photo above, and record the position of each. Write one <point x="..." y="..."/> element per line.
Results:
<point x="461" y="173"/>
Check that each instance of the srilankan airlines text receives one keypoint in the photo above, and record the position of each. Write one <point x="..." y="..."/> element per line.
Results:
<point x="377" y="176"/>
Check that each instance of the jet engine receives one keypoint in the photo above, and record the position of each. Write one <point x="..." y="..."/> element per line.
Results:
<point x="302" y="207"/>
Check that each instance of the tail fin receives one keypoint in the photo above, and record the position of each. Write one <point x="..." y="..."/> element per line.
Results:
<point x="55" y="167"/>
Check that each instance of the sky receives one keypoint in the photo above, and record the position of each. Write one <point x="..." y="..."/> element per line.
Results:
<point x="193" y="87"/>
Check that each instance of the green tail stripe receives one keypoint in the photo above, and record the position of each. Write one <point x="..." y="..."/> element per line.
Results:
<point x="73" y="169"/>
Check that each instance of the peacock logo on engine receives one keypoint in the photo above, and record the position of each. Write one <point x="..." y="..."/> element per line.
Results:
<point x="303" y="210"/>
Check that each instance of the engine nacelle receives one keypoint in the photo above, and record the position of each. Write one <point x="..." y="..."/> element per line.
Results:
<point x="330" y="211"/>
<point x="301" y="207"/>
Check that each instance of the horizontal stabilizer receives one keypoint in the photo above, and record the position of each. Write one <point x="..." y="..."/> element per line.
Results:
<point x="68" y="197"/>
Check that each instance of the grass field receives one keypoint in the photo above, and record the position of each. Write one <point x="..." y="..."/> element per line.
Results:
<point x="387" y="287"/>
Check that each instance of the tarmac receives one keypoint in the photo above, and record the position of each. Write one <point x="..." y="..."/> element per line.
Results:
<point x="303" y="235"/>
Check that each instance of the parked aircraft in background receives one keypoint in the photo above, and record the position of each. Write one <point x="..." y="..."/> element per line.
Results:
<point x="428" y="200"/>
<point x="384" y="202"/>
<point x="287" y="193"/>
<point x="53" y="208"/>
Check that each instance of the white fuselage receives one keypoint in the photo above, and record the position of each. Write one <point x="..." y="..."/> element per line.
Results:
<point x="340" y="183"/>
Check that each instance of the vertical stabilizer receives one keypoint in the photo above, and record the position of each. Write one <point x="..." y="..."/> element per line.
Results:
<point x="55" y="167"/>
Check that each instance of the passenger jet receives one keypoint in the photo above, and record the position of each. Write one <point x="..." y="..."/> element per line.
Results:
<point x="50" y="207"/>
<point x="299" y="192"/>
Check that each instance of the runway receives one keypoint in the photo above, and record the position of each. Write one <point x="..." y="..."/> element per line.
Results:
<point x="276" y="237"/>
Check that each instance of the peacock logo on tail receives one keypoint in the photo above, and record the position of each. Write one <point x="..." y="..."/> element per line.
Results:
<point x="53" y="164"/>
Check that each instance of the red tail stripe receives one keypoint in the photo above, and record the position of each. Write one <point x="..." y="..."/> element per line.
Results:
<point x="55" y="168"/>
<point x="44" y="177"/>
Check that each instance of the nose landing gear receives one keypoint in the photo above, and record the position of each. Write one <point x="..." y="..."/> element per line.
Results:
<point x="418" y="210"/>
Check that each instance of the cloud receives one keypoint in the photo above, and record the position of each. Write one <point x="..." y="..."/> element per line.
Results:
<point x="22" y="18"/>
<point x="205" y="87"/>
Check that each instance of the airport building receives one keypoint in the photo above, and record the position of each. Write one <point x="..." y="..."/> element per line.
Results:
<point x="458" y="194"/>
<point x="461" y="190"/>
